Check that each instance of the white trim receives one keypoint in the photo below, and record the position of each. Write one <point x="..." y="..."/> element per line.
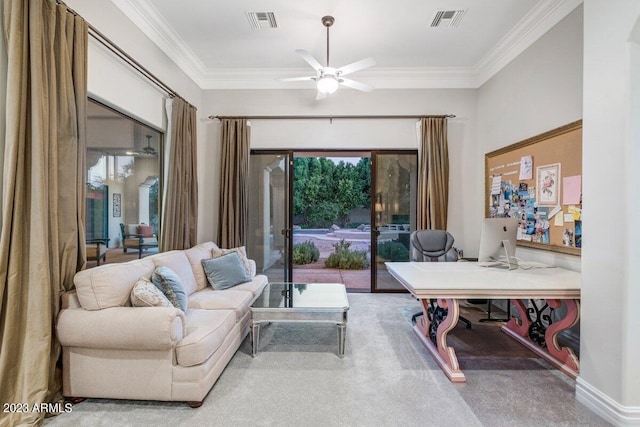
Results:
<point x="536" y="23"/>
<point x="527" y="31"/>
<point x="605" y="406"/>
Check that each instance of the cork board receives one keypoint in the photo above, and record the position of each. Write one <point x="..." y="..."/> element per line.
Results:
<point x="539" y="181"/>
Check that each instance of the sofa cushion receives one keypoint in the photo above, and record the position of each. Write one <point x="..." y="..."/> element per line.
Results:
<point x="146" y="294"/>
<point x="179" y="263"/>
<point x="229" y="299"/>
<point x="110" y="285"/>
<point x="206" y="331"/>
<point x="195" y="255"/>
<point x="255" y="285"/>
<point x="170" y="284"/>
<point x="225" y="271"/>
<point x="242" y="253"/>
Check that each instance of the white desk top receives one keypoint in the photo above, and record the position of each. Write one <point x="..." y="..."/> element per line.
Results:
<point x="469" y="280"/>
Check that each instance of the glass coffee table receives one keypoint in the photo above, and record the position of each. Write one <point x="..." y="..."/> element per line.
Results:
<point x="301" y="302"/>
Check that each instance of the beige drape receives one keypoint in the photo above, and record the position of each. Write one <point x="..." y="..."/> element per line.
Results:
<point x="180" y="206"/>
<point x="234" y="174"/>
<point x="42" y="237"/>
<point x="433" y="180"/>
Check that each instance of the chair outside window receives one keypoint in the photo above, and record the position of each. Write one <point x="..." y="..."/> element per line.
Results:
<point x="434" y="246"/>
<point x="138" y="236"/>
<point x="97" y="250"/>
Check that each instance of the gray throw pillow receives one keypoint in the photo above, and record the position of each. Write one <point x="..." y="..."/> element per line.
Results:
<point x="225" y="271"/>
<point x="170" y="284"/>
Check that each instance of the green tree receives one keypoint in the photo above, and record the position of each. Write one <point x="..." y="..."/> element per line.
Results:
<point x="323" y="188"/>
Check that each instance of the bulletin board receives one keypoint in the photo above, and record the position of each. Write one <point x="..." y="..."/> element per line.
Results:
<point x="539" y="181"/>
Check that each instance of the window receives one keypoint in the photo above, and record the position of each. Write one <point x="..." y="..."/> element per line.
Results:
<point x="123" y="173"/>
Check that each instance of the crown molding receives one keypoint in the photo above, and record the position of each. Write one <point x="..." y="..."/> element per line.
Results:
<point x="529" y="29"/>
<point x="526" y="32"/>
<point x="146" y="17"/>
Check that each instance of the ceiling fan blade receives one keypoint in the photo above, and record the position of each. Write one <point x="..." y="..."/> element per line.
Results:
<point x="356" y="66"/>
<point x="296" y="79"/>
<point x="310" y="59"/>
<point x="320" y="96"/>
<point x="356" y="85"/>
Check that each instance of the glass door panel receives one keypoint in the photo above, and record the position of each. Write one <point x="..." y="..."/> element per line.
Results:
<point x="269" y="230"/>
<point x="393" y="213"/>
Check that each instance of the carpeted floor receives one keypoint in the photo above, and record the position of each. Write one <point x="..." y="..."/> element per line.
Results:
<point x="386" y="379"/>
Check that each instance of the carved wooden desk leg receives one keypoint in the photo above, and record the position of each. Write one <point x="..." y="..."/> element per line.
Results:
<point x="433" y="327"/>
<point x="542" y="338"/>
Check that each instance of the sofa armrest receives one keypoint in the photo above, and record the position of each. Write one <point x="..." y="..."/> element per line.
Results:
<point x="126" y="328"/>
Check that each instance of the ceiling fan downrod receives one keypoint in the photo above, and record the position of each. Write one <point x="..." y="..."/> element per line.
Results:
<point x="328" y="21"/>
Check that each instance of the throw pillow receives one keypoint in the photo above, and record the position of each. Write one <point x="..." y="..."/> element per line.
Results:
<point x="145" y="294"/>
<point x="225" y="271"/>
<point x="242" y="253"/>
<point x="170" y="284"/>
<point x="145" y="230"/>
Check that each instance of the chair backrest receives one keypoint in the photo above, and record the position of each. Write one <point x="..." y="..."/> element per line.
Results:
<point x="432" y="246"/>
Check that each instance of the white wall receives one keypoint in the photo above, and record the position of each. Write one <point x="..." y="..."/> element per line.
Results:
<point x="538" y="91"/>
<point x="610" y="351"/>
<point x="355" y="134"/>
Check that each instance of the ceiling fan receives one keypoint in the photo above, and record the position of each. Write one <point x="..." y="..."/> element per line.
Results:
<point x="147" y="151"/>
<point x="328" y="78"/>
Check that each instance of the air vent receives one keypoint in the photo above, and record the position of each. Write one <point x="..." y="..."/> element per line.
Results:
<point x="447" y="18"/>
<point x="260" y="20"/>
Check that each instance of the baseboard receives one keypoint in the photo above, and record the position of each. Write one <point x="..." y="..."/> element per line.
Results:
<point x="606" y="407"/>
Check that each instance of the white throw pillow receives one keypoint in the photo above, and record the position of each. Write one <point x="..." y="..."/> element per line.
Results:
<point x="146" y="294"/>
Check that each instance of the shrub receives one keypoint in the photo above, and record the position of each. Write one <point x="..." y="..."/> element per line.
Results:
<point x="323" y="214"/>
<point x="346" y="259"/>
<point x="305" y="253"/>
<point x="392" y="250"/>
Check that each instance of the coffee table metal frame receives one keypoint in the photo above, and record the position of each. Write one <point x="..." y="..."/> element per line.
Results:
<point x="333" y="312"/>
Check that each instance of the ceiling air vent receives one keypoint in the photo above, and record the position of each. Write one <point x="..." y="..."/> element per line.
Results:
<point x="260" y="20"/>
<point x="447" y="18"/>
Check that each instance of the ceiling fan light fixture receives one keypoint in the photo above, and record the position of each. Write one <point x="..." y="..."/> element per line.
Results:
<point x="327" y="84"/>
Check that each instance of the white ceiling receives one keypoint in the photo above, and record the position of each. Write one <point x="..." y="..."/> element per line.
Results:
<point x="213" y="42"/>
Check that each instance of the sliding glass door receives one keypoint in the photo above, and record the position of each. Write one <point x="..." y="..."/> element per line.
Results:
<point x="269" y="230"/>
<point x="393" y="213"/>
<point x="334" y="216"/>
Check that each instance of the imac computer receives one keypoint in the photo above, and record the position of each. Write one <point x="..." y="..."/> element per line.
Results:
<point x="498" y="243"/>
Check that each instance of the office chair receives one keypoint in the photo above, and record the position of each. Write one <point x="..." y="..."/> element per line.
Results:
<point x="434" y="246"/>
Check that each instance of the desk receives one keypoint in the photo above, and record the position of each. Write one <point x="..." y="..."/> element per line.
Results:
<point x="439" y="286"/>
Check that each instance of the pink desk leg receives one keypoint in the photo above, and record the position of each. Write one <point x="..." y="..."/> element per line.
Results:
<point x="424" y="328"/>
<point x="548" y="348"/>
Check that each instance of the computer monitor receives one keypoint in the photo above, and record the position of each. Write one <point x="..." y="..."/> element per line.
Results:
<point x="498" y="241"/>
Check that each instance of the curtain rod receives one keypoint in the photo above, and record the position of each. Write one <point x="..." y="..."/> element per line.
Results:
<point x="117" y="50"/>
<point x="330" y="118"/>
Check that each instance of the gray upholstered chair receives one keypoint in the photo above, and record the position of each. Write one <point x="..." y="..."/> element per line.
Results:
<point x="434" y="246"/>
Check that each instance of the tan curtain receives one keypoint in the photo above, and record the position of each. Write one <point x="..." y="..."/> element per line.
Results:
<point x="433" y="180"/>
<point x="42" y="238"/>
<point x="180" y="205"/>
<point x="234" y="173"/>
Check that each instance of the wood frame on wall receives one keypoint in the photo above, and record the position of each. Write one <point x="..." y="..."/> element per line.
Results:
<point x="562" y="146"/>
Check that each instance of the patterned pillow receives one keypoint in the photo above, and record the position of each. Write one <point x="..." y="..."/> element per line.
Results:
<point x="225" y="271"/>
<point x="242" y="253"/>
<point x="170" y="284"/>
<point x="145" y="294"/>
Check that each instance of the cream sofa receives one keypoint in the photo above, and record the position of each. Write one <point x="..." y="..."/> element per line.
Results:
<point x="113" y="350"/>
